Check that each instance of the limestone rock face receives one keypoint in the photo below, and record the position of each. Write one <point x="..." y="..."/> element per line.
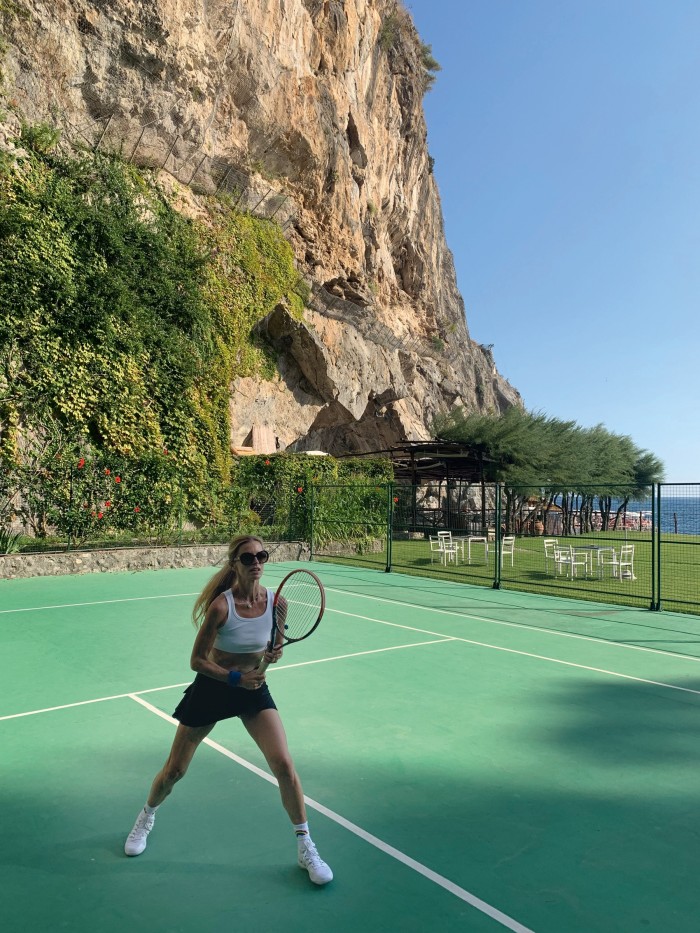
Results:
<point x="308" y="112"/>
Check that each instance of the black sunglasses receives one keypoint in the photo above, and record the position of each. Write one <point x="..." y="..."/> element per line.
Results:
<point x="247" y="559"/>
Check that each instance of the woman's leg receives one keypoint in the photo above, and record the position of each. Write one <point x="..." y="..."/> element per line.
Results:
<point x="268" y="732"/>
<point x="186" y="742"/>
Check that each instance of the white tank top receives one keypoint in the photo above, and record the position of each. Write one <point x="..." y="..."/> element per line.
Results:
<point x="245" y="636"/>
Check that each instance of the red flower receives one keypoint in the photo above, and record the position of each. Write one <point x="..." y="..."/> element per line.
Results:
<point x="117" y="479"/>
<point x="267" y="463"/>
<point x="396" y="498"/>
<point x="165" y="451"/>
<point x="300" y="488"/>
<point x="136" y="508"/>
<point x="107" y="471"/>
<point x="81" y="463"/>
<point x="108" y="504"/>
<point x="99" y="514"/>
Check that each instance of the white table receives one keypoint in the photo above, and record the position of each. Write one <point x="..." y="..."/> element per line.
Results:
<point x="473" y="539"/>
<point x="589" y="550"/>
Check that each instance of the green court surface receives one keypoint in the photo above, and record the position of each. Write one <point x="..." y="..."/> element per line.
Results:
<point x="474" y="760"/>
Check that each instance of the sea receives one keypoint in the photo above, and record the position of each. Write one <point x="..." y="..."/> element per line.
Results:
<point x="679" y="514"/>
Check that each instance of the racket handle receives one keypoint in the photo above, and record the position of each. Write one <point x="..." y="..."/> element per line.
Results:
<point x="263" y="666"/>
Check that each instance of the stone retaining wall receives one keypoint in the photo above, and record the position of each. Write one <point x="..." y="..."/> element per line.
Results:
<point x="13" y="566"/>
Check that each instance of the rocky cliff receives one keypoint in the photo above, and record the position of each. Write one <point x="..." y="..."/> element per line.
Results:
<point x="308" y="112"/>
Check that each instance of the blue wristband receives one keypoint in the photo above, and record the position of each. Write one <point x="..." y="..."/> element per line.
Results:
<point x="234" y="678"/>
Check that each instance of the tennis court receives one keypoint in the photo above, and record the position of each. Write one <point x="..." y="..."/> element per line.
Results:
<point x="474" y="760"/>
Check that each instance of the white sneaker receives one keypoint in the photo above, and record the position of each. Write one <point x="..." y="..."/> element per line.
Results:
<point x="137" y="838"/>
<point x="309" y="859"/>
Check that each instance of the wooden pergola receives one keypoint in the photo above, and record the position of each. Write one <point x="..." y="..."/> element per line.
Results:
<point x="445" y="464"/>
<point x="421" y="462"/>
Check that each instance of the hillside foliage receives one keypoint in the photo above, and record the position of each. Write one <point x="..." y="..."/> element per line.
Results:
<point x="122" y="321"/>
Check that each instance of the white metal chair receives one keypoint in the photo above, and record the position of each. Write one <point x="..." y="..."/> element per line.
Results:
<point x="450" y="551"/>
<point x="625" y="565"/>
<point x="562" y="558"/>
<point x="607" y="557"/>
<point x="435" y="547"/>
<point x="578" y="559"/>
<point x="566" y="558"/>
<point x="549" y="545"/>
<point x="508" y="548"/>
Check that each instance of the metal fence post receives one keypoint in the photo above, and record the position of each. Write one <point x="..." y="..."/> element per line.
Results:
<point x="170" y="151"/>
<point x="311" y="522"/>
<point x="180" y="510"/>
<point x="499" y="545"/>
<point x="656" y="518"/>
<point x="652" y="604"/>
<point x="103" y="133"/>
<point x="199" y="165"/>
<point x="70" y="509"/>
<point x="389" y="525"/>
<point x="290" y="513"/>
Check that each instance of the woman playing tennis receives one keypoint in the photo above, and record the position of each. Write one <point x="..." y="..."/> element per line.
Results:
<point x="234" y="619"/>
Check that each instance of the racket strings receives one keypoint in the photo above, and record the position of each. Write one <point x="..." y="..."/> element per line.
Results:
<point x="304" y="603"/>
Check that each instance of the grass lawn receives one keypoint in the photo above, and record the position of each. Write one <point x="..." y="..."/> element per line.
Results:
<point x="679" y="568"/>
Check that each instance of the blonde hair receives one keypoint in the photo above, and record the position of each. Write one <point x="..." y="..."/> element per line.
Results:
<point x="221" y="581"/>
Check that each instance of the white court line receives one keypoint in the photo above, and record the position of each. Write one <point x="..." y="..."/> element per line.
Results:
<point x="98" y="602"/>
<point x="356" y="654"/>
<point x="117" y="696"/>
<point x="457" y="614"/>
<point x="440" y="636"/>
<point x="283" y="667"/>
<point x="525" y="654"/>
<point x="384" y="847"/>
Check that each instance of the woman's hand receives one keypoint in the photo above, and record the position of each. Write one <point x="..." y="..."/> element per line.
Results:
<point x="251" y="680"/>
<point x="272" y="657"/>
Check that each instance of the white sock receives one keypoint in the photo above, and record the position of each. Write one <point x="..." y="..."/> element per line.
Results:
<point x="150" y="810"/>
<point x="302" y="830"/>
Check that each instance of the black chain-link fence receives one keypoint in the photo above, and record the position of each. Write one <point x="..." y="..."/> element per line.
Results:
<point x="612" y="547"/>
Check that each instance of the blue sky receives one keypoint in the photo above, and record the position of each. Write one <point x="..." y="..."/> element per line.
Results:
<point x="566" y="139"/>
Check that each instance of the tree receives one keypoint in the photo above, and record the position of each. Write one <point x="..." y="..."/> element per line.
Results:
<point x="534" y="455"/>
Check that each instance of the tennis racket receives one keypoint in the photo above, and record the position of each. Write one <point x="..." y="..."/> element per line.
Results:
<point x="297" y="609"/>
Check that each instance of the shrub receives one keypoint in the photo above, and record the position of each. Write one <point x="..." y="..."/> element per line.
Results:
<point x="128" y="321"/>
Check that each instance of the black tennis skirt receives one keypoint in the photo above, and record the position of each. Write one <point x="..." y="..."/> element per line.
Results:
<point x="207" y="701"/>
